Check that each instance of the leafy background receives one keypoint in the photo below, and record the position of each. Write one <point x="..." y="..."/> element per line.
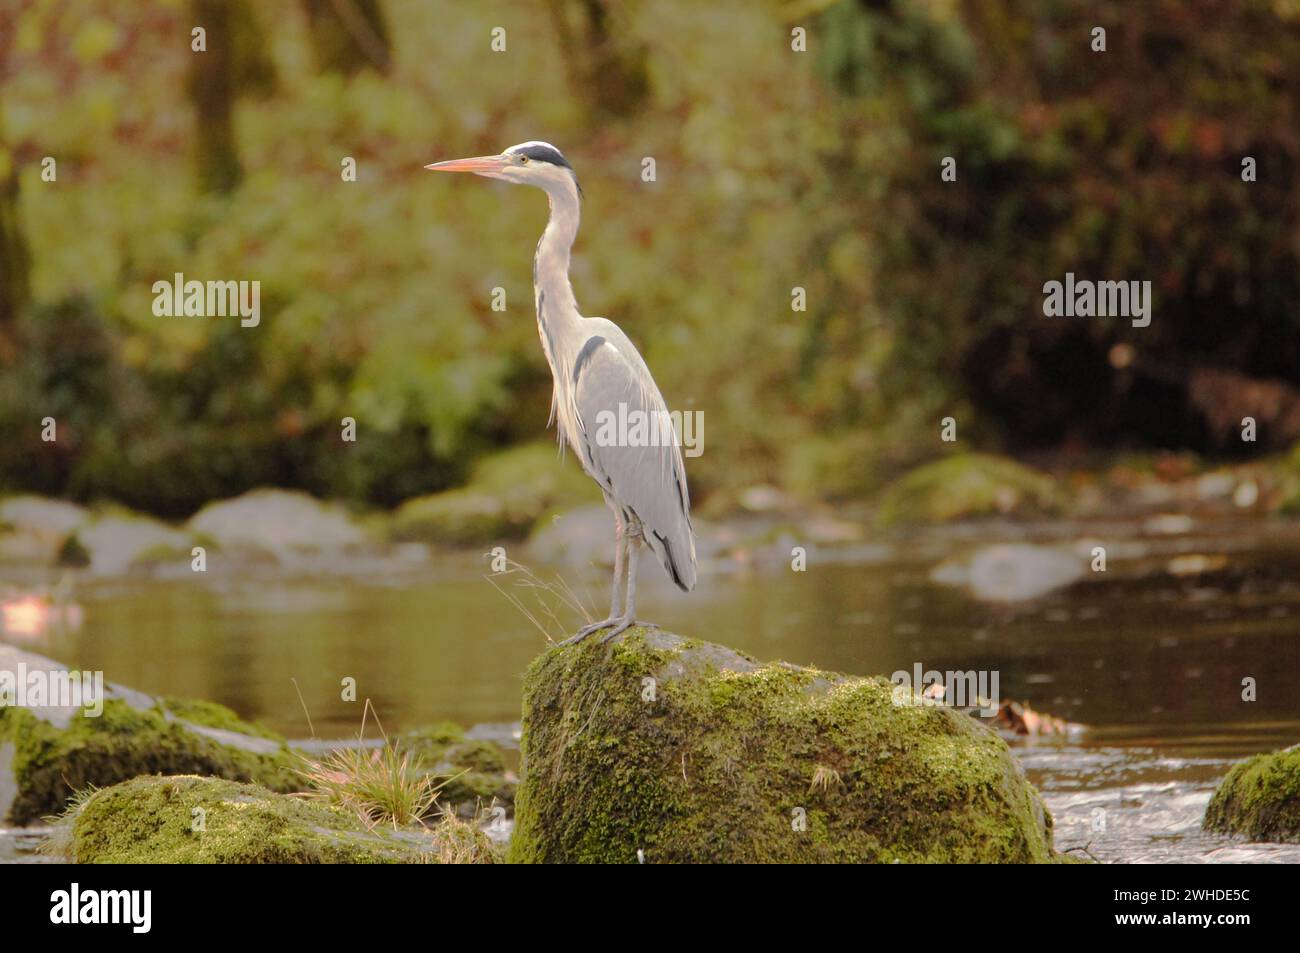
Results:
<point x="775" y="169"/>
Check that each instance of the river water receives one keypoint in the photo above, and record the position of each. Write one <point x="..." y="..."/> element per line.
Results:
<point x="1150" y="661"/>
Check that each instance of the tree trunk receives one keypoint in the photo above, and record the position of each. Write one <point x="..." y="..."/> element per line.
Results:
<point x="15" y="261"/>
<point x="348" y="35"/>
<point x="605" y="69"/>
<point x="212" y="93"/>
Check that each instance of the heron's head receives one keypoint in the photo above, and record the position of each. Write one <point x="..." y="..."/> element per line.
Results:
<point x="529" y="163"/>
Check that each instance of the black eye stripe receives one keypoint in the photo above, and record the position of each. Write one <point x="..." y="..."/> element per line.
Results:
<point x="544" y="154"/>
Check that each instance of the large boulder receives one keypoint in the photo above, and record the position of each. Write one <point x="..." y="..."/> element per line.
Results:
<point x="658" y="748"/>
<point x="33" y="528"/>
<point x="1259" y="798"/>
<point x="193" y="820"/>
<point x="109" y="541"/>
<point x="283" y="526"/>
<point x="119" y="541"/>
<point x="48" y="754"/>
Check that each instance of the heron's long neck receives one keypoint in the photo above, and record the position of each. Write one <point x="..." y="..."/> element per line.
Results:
<point x="557" y="310"/>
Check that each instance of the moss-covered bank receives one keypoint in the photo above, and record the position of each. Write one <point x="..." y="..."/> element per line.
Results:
<point x="1259" y="798"/>
<point x="691" y="752"/>
<point x="192" y="820"/>
<point x="967" y="485"/>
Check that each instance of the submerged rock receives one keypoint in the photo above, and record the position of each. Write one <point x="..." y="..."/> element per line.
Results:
<point x="657" y="748"/>
<point x="966" y="485"/>
<point x="47" y="754"/>
<point x="194" y="820"/>
<point x="1012" y="572"/>
<point x="1259" y="798"/>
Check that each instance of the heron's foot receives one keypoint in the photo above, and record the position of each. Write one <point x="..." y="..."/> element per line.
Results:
<point x="623" y="626"/>
<point x="587" y="630"/>
<point x="615" y="626"/>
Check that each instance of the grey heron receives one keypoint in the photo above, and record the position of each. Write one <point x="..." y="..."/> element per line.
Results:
<point x="596" y="372"/>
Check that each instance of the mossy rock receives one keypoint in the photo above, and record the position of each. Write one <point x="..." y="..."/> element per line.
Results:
<point x="49" y="754"/>
<point x="211" y="715"/>
<point x="461" y="517"/>
<point x="722" y="759"/>
<point x="431" y="742"/>
<point x="50" y="764"/>
<point x="154" y="819"/>
<point x="477" y="754"/>
<point x="34" y="530"/>
<point x="967" y="485"/>
<point x="1259" y="798"/>
<point x="117" y="541"/>
<point x="1286" y="472"/>
<point x="471" y="771"/>
<point x="508" y="493"/>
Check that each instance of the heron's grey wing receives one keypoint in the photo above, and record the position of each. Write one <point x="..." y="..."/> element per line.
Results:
<point x="629" y="446"/>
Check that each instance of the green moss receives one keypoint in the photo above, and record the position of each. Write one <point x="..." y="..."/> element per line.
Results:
<point x="187" y="820"/>
<point x="455" y="518"/>
<point x="163" y="554"/>
<point x="72" y="553"/>
<point x="50" y="763"/>
<point x="966" y="485"/>
<point x="505" y="498"/>
<point x="714" y="762"/>
<point x="212" y="715"/>
<point x="473" y="788"/>
<point x="1286" y="473"/>
<point x="478" y="755"/>
<point x="431" y="742"/>
<point x="1259" y="798"/>
<point x="470" y="770"/>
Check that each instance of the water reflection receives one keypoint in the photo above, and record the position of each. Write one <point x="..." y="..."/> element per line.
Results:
<point x="31" y="615"/>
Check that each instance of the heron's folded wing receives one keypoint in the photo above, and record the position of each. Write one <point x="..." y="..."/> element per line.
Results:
<point x="630" y="447"/>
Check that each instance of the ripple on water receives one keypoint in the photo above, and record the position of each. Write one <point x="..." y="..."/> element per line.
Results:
<point x="20" y="845"/>
<point x="1138" y="805"/>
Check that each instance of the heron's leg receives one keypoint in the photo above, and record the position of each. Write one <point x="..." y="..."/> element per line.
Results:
<point x="633" y="552"/>
<point x="621" y="544"/>
<point x="629" y="619"/>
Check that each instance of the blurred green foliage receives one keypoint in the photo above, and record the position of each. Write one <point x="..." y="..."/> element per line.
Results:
<point x="775" y="169"/>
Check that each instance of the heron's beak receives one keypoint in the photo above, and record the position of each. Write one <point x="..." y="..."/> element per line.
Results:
<point x="482" y="165"/>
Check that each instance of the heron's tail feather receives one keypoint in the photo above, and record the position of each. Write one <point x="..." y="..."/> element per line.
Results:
<point x="678" y="557"/>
